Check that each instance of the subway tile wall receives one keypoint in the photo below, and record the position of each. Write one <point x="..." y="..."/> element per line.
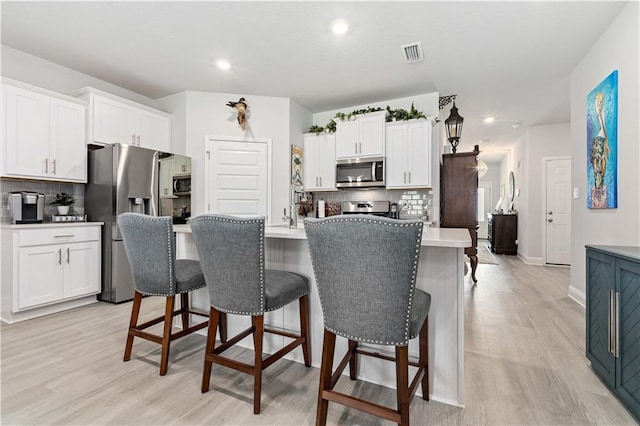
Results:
<point x="415" y="203"/>
<point x="49" y="189"/>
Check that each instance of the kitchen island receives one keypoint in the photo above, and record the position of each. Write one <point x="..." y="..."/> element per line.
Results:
<point x="440" y="273"/>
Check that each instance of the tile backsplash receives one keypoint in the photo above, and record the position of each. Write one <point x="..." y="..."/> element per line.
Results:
<point x="49" y="189"/>
<point x="416" y="202"/>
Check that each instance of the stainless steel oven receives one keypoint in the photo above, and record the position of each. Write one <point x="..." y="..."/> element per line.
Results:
<point x="360" y="172"/>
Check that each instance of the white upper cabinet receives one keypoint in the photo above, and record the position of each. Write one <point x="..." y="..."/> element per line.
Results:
<point x="118" y="120"/>
<point x="362" y="137"/>
<point x="44" y="134"/>
<point x="319" y="171"/>
<point x="408" y="161"/>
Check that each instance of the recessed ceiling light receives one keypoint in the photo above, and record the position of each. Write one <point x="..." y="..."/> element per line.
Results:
<point x="339" y="27"/>
<point x="223" y="65"/>
<point x="515" y="125"/>
<point x="489" y="120"/>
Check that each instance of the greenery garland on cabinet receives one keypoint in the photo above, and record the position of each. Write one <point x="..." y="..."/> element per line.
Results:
<point x="398" y="114"/>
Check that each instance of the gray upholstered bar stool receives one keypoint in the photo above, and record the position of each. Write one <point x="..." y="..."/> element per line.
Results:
<point x="232" y="254"/>
<point x="150" y="247"/>
<point x="365" y="269"/>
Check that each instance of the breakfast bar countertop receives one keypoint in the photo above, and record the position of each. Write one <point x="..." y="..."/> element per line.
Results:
<point x="431" y="237"/>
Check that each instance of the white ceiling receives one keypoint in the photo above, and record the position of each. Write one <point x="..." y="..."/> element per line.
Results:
<point x="511" y="60"/>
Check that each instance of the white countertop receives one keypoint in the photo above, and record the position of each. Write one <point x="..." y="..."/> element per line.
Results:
<point x="50" y="225"/>
<point x="431" y="237"/>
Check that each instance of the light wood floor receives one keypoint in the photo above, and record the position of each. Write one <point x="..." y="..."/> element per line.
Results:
<point x="524" y="364"/>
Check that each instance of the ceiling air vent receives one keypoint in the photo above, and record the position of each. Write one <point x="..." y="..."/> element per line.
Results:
<point x="412" y="52"/>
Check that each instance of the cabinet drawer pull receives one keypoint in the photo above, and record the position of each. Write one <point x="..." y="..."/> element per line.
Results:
<point x="59" y="256"/>
<point x="360" y="150"/>
<point x="46" y="165"/>
<point x="133" y="139"/>
<point x="616" y="330"/>
<point x="64" y="236"/>
<point x="356" y="147"/>
<point x="53" y="166"/>
<point x="320" y="180"/>
<point x="138" y="137"/>
<point x="409" y="177"/>
<point x="610" y="323"/>
<point x="68" y="254"/>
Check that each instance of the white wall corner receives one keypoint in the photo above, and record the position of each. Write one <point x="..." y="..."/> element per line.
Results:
<point x="530" y="260"/>
<point x="578" y="296"/>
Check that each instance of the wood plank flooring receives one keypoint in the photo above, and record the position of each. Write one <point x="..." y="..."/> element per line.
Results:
<point x="524" y="364"/>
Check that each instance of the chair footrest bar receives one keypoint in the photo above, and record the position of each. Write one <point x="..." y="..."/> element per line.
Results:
<point x="281" y="333"/>
<point x="189" y="330"/>
<point x="230" y="342"/>
<point x="236" y="365"/>
<point x="282" y="352"/>
<point x="382" y="356"/>
<point x="148" y="336"/>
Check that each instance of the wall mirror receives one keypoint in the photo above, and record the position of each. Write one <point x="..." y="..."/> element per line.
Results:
<point x="512" y="190"/>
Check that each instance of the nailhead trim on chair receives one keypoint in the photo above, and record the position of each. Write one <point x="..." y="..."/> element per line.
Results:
<point x="413" y="275"/>
<point x="234" y="220"/>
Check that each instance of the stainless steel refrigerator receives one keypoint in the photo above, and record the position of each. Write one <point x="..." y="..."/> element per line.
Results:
<point x="121" y="178"/>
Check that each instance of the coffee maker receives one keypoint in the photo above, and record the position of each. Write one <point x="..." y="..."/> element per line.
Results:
<point x="26" y="207"/>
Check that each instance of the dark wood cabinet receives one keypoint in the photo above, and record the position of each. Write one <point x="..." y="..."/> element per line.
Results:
<point x="613" y="313"/>
<point x="459" y="198"/>
<point x="503" y="233"/>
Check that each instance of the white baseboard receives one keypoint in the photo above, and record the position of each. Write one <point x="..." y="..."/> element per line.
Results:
<point x="578" y="296"/>
<point x="530" y="260"/>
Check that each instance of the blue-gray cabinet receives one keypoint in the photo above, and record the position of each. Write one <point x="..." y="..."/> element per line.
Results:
<point x="613" y="320"/>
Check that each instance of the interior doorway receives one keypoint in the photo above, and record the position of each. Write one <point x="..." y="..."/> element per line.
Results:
<point x="557" y="214"/>
<point x="485" y="205"/>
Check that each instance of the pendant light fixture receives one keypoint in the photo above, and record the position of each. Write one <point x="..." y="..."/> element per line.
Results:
<point x="454" y="127"/>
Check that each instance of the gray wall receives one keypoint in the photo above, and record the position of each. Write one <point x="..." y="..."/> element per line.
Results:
<point x="617" y="49"/>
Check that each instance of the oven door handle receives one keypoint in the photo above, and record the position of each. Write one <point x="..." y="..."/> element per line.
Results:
<point x="175" y="185"/>
<point x="373" y="171"/>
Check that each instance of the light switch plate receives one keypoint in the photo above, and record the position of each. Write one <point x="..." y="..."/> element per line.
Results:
<point x="576" y="192"/>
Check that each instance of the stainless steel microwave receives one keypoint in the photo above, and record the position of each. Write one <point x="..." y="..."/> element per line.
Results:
<point x="182" y="184"/>
<point x="360" y="172"/>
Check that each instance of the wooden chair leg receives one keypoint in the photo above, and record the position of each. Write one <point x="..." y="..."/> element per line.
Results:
<point x="222" y="324"/>
<point x="424" y="358"/>
<point x="353" y="361"/>
<point x="214" y="317"/>
<point x="133" y="322"/>
<point x="402" y="383"/>
<point x="166" y="335"/>
<point x="328" y="348"/>
<point x="258" y="332"/>
<point x="184" y="308"/>
<point x="304" y="329"/>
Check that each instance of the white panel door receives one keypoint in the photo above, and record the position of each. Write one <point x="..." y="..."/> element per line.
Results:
<point x="558" y="211"/>
<point x="396" y="161"/>
<point x="371" y="136"/>
<point x="311" y="170"/>
<point x="238" y="178"/>
<point x="347" y="139"/>
<point x="27" y="133"/>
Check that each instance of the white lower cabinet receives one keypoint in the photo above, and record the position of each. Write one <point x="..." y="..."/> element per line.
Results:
<point x="48" y="268"/>
<point x="409" y="154"/>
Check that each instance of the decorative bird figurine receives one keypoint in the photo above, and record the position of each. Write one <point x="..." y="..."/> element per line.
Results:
<point x="241" y="108"/>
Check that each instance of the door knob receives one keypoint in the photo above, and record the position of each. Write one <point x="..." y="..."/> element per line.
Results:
<point x="550" y="213"/>
<point x="549" y="220"/>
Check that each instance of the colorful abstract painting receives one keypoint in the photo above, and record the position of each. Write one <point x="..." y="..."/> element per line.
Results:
<point x="602" y="144"/>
